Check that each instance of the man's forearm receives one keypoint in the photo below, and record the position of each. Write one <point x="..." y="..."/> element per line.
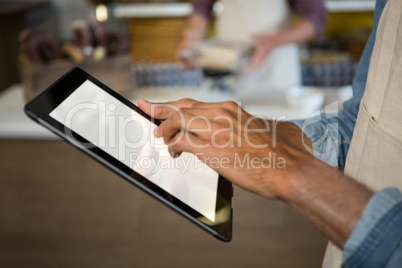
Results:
<point x="331" y="201"/>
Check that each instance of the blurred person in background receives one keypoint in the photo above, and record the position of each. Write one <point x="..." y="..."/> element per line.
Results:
<point x="268" y="26"/>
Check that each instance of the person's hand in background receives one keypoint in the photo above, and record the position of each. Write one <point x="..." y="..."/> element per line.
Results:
<point x="195" y="31"/>
<point x="265" y="44"/>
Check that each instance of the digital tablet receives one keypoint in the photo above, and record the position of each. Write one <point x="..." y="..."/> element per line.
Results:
<point x="115" y="132"/>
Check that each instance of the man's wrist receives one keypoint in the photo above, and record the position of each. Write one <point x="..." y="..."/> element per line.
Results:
<point x="298" y="170"/>
<point x="298" y="159"/>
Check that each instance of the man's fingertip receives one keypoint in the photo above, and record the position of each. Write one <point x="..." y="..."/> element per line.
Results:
<point x="156" y="133"/>
<point x="144" y="101"/>
<point x="141" y="102"/>
<point x="175" y="154"/>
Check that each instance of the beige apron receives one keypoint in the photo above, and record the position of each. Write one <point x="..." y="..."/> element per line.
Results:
<point x="375" y="154"/>
<point x="240" y="20"/>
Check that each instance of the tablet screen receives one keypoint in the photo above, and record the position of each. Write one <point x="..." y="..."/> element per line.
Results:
<point x="127" y="136"/>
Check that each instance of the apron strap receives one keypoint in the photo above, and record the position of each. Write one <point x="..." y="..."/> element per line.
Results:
<point x="381" y="63"/>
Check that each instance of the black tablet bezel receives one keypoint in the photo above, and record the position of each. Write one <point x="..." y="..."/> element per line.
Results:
<point x="40" y="108"/>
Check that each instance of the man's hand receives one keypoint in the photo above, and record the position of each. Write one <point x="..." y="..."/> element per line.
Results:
<point x="264" y="157"/>
<point x="244" y="149"/>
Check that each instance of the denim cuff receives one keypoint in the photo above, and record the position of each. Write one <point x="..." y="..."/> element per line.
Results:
<point x="376" y="220"/>
<point x="323" y="138"/>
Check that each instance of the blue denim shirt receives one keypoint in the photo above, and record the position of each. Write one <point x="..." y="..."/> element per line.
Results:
<point x="376" y="240"/>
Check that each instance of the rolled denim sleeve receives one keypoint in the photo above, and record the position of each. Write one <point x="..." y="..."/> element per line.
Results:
<point x="377" y="237"/>
<point x="330" y="135"/>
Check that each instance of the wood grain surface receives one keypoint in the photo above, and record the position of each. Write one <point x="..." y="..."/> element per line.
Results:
<point x="58" y="208"/>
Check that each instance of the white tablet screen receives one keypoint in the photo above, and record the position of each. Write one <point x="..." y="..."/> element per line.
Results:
<point x="127" y="136"/>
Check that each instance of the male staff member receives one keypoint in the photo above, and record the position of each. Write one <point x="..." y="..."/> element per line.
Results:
<point x="364" y="221"/>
